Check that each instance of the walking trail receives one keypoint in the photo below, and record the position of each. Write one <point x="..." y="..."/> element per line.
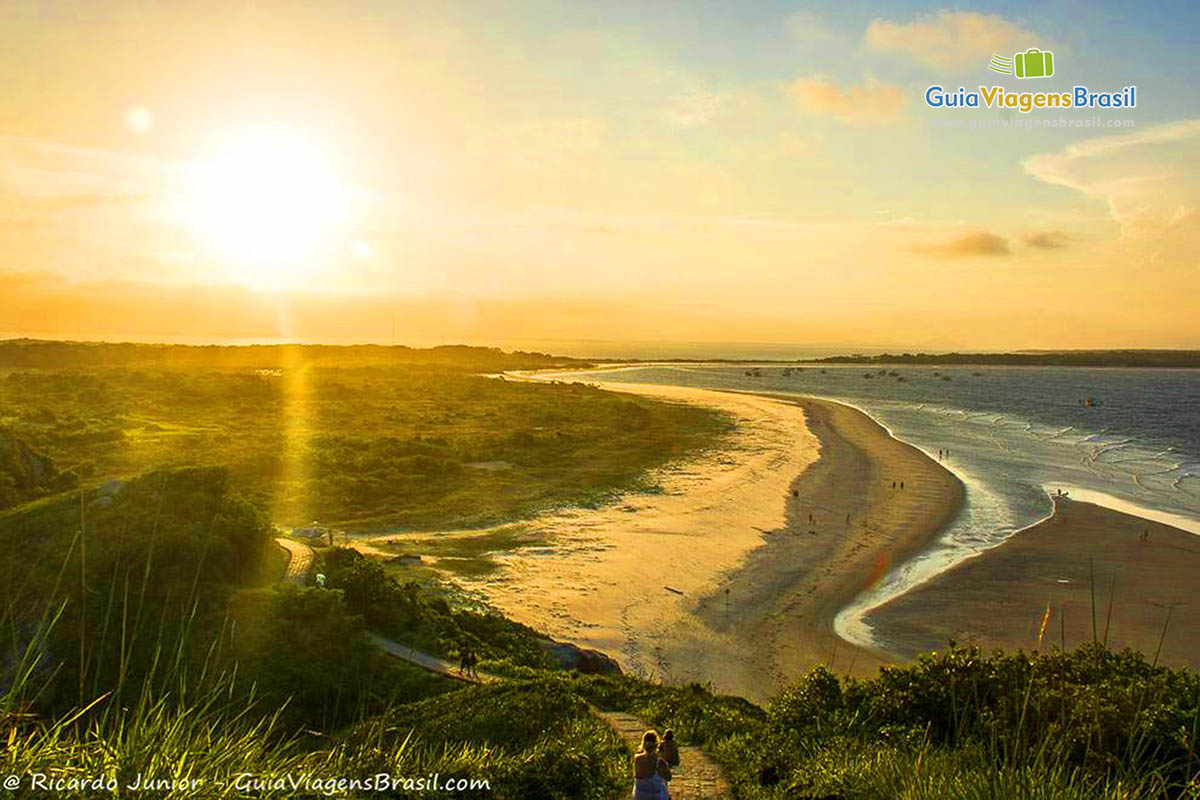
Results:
<point x="300" y="557"/>
<point x="697" y="777"/>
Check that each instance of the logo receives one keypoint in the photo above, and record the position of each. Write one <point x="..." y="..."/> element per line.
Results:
<point x="1033" y="63"/>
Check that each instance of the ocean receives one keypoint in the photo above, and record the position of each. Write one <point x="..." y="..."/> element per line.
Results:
<point x="1014" y="435"/>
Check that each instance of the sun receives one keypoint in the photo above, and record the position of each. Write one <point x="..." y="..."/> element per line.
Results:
<point x="269" y="207"/>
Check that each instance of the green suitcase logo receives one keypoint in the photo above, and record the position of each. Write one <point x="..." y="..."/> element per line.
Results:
<point x="1033" y="63"/>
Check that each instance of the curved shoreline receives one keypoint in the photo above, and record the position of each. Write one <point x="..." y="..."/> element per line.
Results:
<point x="999" y="597"/>
<point x="756" y="603"/>
<point x="626" y="578"/>
<point x="793" y="587"/>
<point x="785" y="597"/>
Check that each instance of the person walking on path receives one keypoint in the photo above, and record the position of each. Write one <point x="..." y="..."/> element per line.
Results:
<point x="465" y="662"/>
<point x="668" y="749"/>
<point x="650" y="771"/>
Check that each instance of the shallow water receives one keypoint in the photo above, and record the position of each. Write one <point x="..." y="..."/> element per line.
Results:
<point x="1013" y="434"/>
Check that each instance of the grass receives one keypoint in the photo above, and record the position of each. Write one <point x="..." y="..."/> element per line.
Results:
<point x="465" y="554"/>
<point x="362" y="447"/>
<point x="296" y="691"/>
<point x="143" y="632"/>
<point x="957" y="724"/>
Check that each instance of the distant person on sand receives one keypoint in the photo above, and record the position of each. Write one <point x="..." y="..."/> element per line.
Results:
<point x="650" y="772"/>
<point x="668" y="749"/>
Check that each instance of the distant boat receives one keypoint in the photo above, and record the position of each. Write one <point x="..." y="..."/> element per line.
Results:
<point x="976" y="374"/>
<point x="1089" y="402"/>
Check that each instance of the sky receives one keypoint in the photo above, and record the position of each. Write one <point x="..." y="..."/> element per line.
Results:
<point x="591" y="176"/>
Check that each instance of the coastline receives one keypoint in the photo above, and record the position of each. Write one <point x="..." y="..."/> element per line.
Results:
<point x="625" y="578"/>
<point x="794" y="586"/>
<point x="723" y="577"/>
<point x="646" y="581"/>
<point x="999" y="598"/>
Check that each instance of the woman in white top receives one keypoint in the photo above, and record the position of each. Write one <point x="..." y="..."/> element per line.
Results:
<point x="650" y="773"/>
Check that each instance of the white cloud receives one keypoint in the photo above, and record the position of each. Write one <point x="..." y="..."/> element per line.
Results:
<point x="1149" y="179"/>
<point x="871" y="102"/>
<point x="948" y="39"/>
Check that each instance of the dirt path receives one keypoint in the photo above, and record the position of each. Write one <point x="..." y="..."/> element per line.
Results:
<point x="697" y="777"/>
<point x="429" y="662"/>
<point x="300" y="559"/>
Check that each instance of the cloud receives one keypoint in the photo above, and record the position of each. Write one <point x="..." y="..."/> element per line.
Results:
<point x="871" y="102"/>
<point x="1149" y="179"/>
<point x="977" y="243"/>
<point x="1048" y="240"/>
<point x="693" y="107"/>
<point x="948" y="39"/>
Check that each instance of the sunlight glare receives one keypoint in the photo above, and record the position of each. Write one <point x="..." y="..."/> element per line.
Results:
<point x="139" y="120"/>
<point x="270" y="204"/>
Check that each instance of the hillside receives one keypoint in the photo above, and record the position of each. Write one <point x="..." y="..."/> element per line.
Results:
<point x="145" y="637"/>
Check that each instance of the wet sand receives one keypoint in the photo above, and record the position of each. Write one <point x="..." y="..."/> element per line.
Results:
<point x="722" y="577"/>
<point x="789" y="591"/>
<point x="998" y="599"/>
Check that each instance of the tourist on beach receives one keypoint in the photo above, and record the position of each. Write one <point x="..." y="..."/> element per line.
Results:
<point x="650" y="772"/>
<point x="668" y="749"/>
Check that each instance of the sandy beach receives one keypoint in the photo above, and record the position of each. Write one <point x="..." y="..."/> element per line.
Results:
<point x="998" y="599"/>
<point x="734" y="572"/>
<point x="626" y="579"/>
<point x="874" y="501"/>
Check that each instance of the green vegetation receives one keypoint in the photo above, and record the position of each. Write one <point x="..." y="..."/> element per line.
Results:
<point x="45" y="354"/>
<point x="25" y="475"/>
<point x="136" y="641"/>
<point x="410" y="614"/>
<point x="144" y="629"/>
<point x="959" y="723"/>
<point x="366" y="446"/>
